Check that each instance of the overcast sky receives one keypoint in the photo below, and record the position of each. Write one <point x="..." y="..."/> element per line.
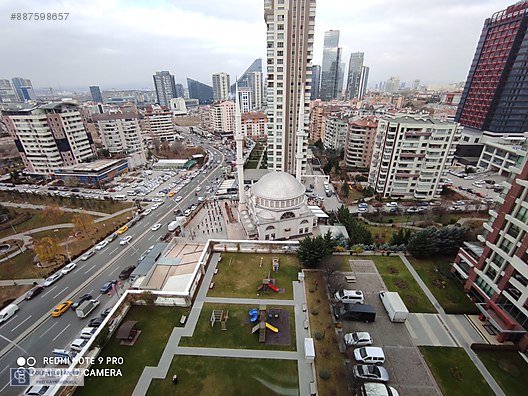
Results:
<point x="121" y="43"/>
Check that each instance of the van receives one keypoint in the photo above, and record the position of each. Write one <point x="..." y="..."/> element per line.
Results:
<point x="120" y="197"/>
<point x="7" y="312"/>
<point x="357" y="312"/>
<point x="350" y="296"/>
<point x="369" y="355"/>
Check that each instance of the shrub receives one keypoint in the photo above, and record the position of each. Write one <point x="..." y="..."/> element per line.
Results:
<point x="324" y="374"/>
<point x="315" y="311"/>
<point x="319" y="335"/>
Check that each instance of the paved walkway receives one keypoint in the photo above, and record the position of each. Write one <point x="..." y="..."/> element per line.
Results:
<point x="306" y="370"/>
<point x="453" y="329"/>
<point x="32" y="206"/>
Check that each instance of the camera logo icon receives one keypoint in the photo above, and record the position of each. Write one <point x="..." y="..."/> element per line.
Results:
<point x="21" y="375"/>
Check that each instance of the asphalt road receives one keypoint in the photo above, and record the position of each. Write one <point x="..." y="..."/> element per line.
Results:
<point x="37" y="333"/>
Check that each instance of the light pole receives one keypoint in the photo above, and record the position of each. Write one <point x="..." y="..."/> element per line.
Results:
<point x="68" y="248"/>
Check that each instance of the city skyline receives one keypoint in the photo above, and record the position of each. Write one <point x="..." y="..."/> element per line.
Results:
<point x="121" y="44"/>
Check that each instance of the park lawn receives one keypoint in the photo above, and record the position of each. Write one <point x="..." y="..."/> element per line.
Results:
<point x="508" y="368"/>
<point x="454" y="371"/>
<point x="327" y="356"/>
<point x="156" y="325"/>
<point x="239" y="275"/>
<point x="447" y="290"/>
<point x="217" y="376"/>
<point x="238" y="334"/>
<point x="445" y="219"/>
<point x="105" y="206"/>
<point x="398" y="279"/>
<point x="382" y="234"/>
<point x="21" y="266"/>
<point x="36" y="220"/>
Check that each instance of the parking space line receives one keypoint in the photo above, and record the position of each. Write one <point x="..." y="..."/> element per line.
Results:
<point x="63" y="330"/>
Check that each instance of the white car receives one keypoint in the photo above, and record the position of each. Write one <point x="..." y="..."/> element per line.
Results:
<point x="391" y="204"/>
<point x="360" y="338"/>
<point x="198" y="189"/>
<point x="101" y="245"/>
<point x="147" y="212"/>
<point x="68" y="268"/>
<point x="52" y="279"/>
<point x="87" y="255"/>
<point x="178" y="198"/>
<point x="201" y="199"/>
<point x="78" y="344"/>
<point x="156" y="227"/>
<point x="125" y="240"/>
<point x="157" y="199"/>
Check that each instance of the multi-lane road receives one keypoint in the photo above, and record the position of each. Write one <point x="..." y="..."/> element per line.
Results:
<point x="36" y="333"/>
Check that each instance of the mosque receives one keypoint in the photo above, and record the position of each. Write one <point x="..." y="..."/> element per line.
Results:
<point x="275" y="207"/>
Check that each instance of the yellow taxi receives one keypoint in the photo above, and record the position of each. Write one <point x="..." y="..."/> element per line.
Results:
<point x="122" y="230"/>
<point x="61" y="308"/>
<point x="171" y="194"/>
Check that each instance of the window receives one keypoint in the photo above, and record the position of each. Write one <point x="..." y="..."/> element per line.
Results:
<point x="287" y="215"/>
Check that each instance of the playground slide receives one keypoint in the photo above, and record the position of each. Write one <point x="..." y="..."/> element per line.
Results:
<point x="272" y="328"/>
<point x="254" y="315"/>
<point x="273" y="287"/>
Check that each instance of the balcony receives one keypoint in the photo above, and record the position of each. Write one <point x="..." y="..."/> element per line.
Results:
<point x="404" y="174"/>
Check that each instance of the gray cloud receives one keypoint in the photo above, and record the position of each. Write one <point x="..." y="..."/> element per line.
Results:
<point x="121" y="43"/>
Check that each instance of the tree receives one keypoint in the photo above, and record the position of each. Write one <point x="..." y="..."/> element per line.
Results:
<point x="345" y="189"/>
<point x="84" y="223"/>
<point x="52" y="212"/>
<point x="421" y="245"/>
<point x="401" y="237"/>
<point x="312" y="251"/>
<point x="46" y="248"/>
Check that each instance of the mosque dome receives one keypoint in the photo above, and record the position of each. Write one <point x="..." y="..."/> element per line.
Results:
<point x="278" y="186"/>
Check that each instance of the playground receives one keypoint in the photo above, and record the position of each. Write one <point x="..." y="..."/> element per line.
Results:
<point x="246" y="275"/>
<point x="238" y="328"/>
<point x="217" y="376"/>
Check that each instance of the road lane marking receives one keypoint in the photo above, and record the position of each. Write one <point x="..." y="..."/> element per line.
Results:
<point x="151" y="237"/>
<point x="20" y="324"/>
<point x="4" y="387"/>
<point x="113" y="251"/>
<point x="91" y="268"/>
<point x="63" y="330"/>
<point x="117" y="269"/>
<point x="53" y="288"/>
<point x="49" y="328"/>
<point x="55" y="296"/>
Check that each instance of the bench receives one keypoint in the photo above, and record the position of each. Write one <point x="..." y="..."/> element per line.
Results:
<point x="183" y="319"/>
<point x="350" y="278"/>
<point x="211" y="285"/>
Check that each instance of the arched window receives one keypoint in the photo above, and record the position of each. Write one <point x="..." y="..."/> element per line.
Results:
<point x="287" y="215"/>
<point x="270" y="228"/>
<point x="304" y="222"/>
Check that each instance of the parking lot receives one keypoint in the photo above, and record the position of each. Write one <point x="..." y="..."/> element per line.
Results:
<point x="407" y="370"/>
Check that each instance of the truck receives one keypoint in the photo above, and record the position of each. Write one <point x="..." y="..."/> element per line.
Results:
<point x="394" y="306"/>
<point x="173" y="225"/>
<point x="86" y="308"/>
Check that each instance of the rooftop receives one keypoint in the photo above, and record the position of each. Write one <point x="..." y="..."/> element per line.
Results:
<point x="278" y="186"/>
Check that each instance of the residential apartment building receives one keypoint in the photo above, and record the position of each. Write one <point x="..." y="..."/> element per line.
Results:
<point x="359" y="143"/>
<point x="158" y="124"/>
<point x="49" y="136"/>
<point x="120" y="132"/>
<point x="290" y="35"/>
<point x="336" y="129"/>
<point x="256" y="87"/>
<point x="223" y="116"/>
<point x="496" y="91"/>
<point x="220" y="86"/>
<point x="254" y="125"/>
<point x="495" y="271"/>
<point x="501" y="154"/>
<point x="7" y="92"/>
<point x="165" y="86"/>
<point x="245" y="99"/>
<point x="410" y="156"/>
<point x="317" y="119"/>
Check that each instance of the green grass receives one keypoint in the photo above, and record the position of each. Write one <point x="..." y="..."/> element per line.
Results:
<point x="508" y="368"/>
<point x="36" y="220"/>
<point x="238" y="334"/>
<point x="454" y="371"/>
<point x="21" y="267"/>
<point x="156" y="325"/>
<point x="447" y="290"/>
<point x="239" y="275"/>
<point x="216" y="376"/>
<point x="398" y="279"/>
<point x="382" y="234"/>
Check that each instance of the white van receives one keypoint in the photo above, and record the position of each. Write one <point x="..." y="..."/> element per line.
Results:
<point x="120" y="197"/>
<point x="350" y="296"/>
<point x="7" y="312"/>
<point x="369" y="355"/>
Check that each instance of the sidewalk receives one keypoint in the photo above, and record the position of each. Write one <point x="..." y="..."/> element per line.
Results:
<point x="453" y="330"/>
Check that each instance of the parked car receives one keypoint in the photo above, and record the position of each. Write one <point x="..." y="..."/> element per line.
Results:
<point x="125" y="240"/>
<point x="81" y="299"/>
<point x="96" y="322"/>
<point x="87" y="255"/>
<point x="107" y="286"/>
<point x="125" y="274"/>
<point x="369" y="355"/>
<point x="350" y="296"/>
<point x="52" y="279"/>
<point x="122" y="230"/>
<point x="101" y="245"/>
<point x="391" y="204"/>
<point x="78" y="344"/>
<point x="359" y="338"/>
<point x="370" y="372"/>
<point x="34" y="292"/>
<point x="68" y="268"/>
